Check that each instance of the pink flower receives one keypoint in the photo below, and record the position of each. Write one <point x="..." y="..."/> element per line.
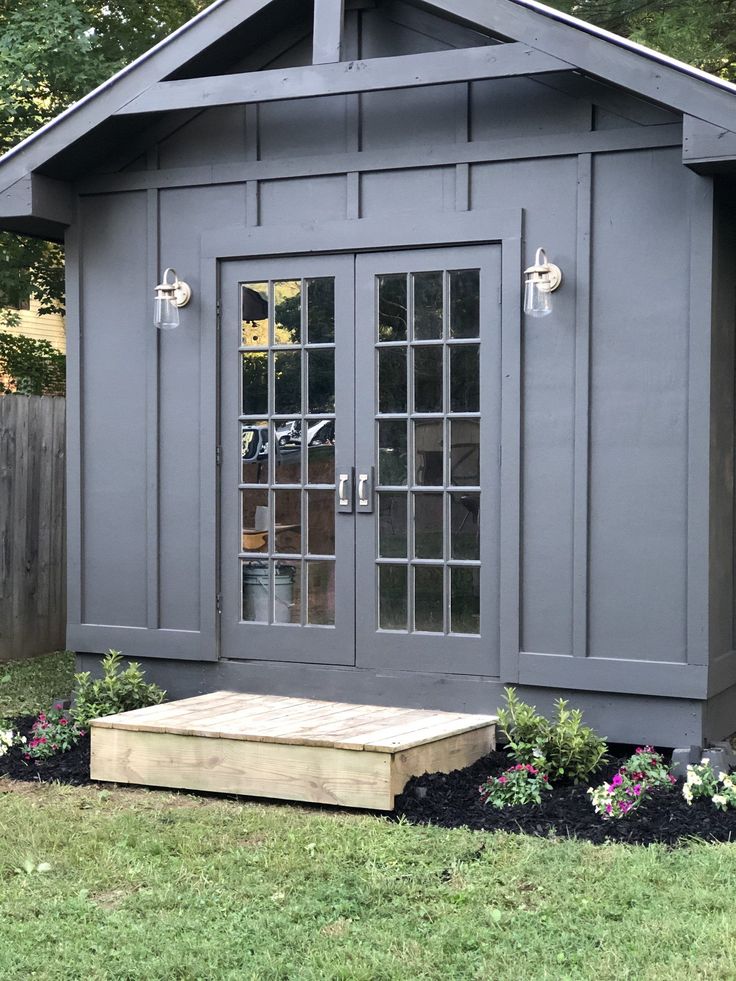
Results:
<point x="609" y="809"/>
<point x="62" y="722"/>
<point x="502" y="780"/>
<point x="625" y="807"/>
<point x="617" y="780"/>
<point x="637" y="790"/>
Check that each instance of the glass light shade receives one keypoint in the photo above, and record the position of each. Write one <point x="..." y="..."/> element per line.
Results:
<point x="165" y="313"/>
<point x="537" y="299"/>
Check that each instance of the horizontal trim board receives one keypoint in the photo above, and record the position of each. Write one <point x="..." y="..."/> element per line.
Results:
<point x="346" y="77"/>
<point x="486" y="151"/>
<point x="187" y="645"/>
<point x="667" y="678"/>
<point x="361" y="234"/>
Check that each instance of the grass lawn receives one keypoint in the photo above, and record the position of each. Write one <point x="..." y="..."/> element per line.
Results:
<point x="129" y="884"/>
<point x="30" y="686"/>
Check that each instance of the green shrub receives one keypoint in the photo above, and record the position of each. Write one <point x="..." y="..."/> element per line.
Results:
<point x="117" y="691"/>
<point x="563" y="748"/>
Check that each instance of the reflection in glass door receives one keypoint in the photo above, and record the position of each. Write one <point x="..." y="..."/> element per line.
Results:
<point x="294" y="563"/>
<point x="429" y="323"/>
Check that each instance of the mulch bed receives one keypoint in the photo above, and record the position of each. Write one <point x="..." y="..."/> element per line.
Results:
<point x="452" y="801"/>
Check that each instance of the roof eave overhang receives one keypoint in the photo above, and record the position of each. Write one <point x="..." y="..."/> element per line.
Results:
<point x="38" y="206"/>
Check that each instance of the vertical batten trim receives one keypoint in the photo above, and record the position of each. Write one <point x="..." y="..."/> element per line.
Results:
<point x="209" y="472"/>
<point x="510" y="530"/>
<point x="353" y="195"/>
<point x="329" y="21"/>
<point x="462" y="187"/>
<point x="152" y="354"/>
<point x="701" y="212"/>
<point x="74" y="450"/>
<point x="581" y="457"/>
<point x="252" y="155"/>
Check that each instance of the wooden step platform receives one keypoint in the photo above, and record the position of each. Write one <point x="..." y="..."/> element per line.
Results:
<point x="289" y="748"/>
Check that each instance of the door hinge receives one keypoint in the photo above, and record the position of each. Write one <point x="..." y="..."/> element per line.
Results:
<point x="499" y="293"/>
<point x="218" y="602"/>
<point x="218" y="456"/>
<point x="218" y="313"/>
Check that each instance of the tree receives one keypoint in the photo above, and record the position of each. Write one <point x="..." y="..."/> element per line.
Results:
<point x="52" y="54"/>
<point x="701" y="34"/>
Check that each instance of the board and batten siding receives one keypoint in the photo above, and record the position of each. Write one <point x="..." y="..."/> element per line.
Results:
<point x="611" y="505"/>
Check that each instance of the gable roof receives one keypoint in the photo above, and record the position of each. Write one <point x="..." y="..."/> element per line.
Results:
<point x="596" y="52"/>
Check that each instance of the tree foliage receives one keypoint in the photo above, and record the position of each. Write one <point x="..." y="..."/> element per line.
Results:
<point x="51" y="54"/>
<point x="701" y="34"/>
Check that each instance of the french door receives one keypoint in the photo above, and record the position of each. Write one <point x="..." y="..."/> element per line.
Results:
<point x="360" y="429"/>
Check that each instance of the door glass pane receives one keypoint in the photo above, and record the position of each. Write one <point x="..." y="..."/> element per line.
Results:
<point x="287" y="598"/>
<point x="465" y="378"/>
<point x="321" y="380"/>
<point x="392" y="538"/>
<point x="286" y="441"/>
<point x="255" y="384"/>
<point x="428" y="526"/>
<point x="428" y="379"/>
<point x="392" y="308"/>
<point x="465" y="526"/>
<point x="321" y="522"/>
<point x="255" y="453"/>
<point x="321" y="593"/>
<point x="430" y="532"/>
<point x="465" y="303"/>
<point x="428" y="306"/>
<point x="321" y="310"/>
<point x="254" y="300"/>
<point x="428" y="450"/>
<point x="392" y="597"/>
<point x="288" y="522"/>
<point x="288" y="382"/>
<point x="321" y="450"/>
<point x="392" y="453"/>
<point x="428" y="598"/>
<point x="282" y="386"/>
<point x="287" y="296"/>
<point x="465" y="452"/>
<point x="256" y="592"/>
<point x="392" y="379"/>
<point x="465" y="600"/>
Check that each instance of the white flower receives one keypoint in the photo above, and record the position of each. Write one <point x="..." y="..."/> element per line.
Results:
<point x="693" y="778"/>
<point x="687" y="794"/>
<point x="705" y="761"/>
<point x="723" y="777"/>
<point x="719" y="800"/>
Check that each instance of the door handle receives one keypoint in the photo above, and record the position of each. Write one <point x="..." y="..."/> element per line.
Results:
<point x="345" y="491"/>
<point x="365" y="491"/>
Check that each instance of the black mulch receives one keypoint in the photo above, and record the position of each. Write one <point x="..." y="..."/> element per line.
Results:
<point x="71" y="768"/>
<point x="452" y="801"/>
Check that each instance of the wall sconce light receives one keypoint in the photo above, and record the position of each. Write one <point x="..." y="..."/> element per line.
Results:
<point x="541" y="280"/>
<point x="171" y="294"/>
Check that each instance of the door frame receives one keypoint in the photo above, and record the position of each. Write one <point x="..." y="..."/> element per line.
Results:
<point x="480" y="227"/>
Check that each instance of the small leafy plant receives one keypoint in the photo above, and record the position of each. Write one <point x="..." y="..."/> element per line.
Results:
<point x="563" y="748"/>
<point x="7" y="737"/>
<point x="118" y="690"/>
<point x="53" y="732"/>
<point x="520" y="784"/>
<point x="702" y="782"/>
<point x="631" y="786"/>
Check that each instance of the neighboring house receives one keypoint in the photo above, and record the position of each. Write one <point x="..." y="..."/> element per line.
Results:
<point x="46" y="327"/>
<point x="355" y="192"/>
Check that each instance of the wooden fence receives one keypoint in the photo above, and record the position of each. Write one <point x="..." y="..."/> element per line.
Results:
<point x="32" y="525"/>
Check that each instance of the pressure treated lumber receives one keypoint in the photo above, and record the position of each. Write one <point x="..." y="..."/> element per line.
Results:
<point x="285" y="748"/>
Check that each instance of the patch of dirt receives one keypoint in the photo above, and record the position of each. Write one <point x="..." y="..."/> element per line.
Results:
<point x="113" y="898"/>
<point x="69" y="768"/>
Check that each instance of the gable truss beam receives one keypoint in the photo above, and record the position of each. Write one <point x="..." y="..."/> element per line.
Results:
<point x="707" y="148"/>
<point x="38" y="197"/>
<point x="376" y="74"/>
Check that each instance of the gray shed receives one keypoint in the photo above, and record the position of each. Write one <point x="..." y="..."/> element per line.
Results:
<point x="358" y="470"/>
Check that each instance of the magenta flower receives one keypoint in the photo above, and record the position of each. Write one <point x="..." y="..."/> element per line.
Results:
<point x="617" y="780"/>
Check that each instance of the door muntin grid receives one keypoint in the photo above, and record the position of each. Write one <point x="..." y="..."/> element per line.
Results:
<point x="288" y="429"/>
<point x="427" y="438"/>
